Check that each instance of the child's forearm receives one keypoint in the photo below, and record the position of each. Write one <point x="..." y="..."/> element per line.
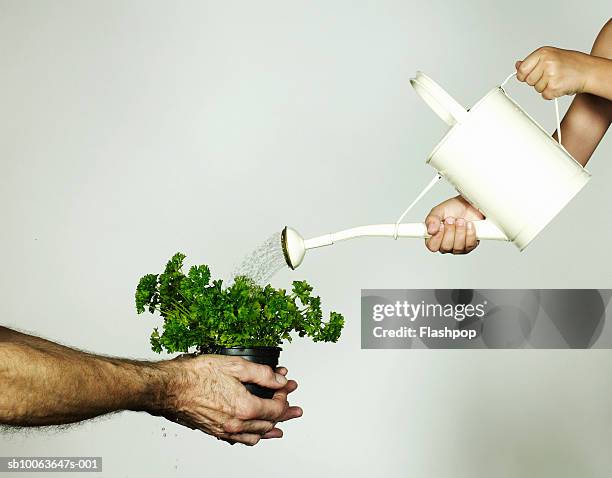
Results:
<point x="590" y="114"/>
<point x="585" y="125"/>
<point x="599" y="80"/>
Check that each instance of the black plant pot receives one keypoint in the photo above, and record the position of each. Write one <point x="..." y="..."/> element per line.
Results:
<point x="263" y="355"/>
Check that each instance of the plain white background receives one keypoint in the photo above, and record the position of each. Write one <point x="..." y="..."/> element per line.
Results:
<point x="134" y="129"/>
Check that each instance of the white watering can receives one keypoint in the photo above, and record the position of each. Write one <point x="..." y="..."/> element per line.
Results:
<point x="497" y="157"/>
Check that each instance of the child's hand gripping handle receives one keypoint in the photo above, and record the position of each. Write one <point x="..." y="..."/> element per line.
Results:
<point x="485" y="231"/>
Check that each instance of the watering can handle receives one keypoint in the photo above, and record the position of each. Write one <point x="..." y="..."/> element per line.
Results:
<point x="558" y="118"/>
<point x="485" y="230"/>
<point x="444" y="105"/>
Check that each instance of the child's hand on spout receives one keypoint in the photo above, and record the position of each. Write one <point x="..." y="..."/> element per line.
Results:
<point x="554" y="72"/>
<point x="450" y="227"/>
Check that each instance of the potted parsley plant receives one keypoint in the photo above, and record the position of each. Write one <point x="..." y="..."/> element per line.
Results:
<point x="244" y="319"/>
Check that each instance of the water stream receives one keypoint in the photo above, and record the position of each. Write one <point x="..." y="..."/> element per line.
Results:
<point x="265" y="261"/>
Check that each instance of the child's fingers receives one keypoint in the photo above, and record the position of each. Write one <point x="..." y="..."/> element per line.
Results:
<point x="527" y="65"/>
<point x="470" y="238"/>
<point x="433" y="223"/>
<point x="541" y="85"/>
<point x="449" y="235"/>
<point x="460" y="233"/>
<point x="549" y="94"/>
<point x="433" y="243"/>
<point x="460" y="236"/>
<point x="536" y="74"/>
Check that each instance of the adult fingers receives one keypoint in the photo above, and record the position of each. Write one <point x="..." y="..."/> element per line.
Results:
<point x="236" y="426"/>
<point x="281" y="395"/>
<point x="460" y="233"/>
<point x="249" y="439"/>
<point x="449" y="235"/>
<point x="470" y="238"/>
<point x="263" y="408"/>
<point x="434" y="242"/>
<point x="286" y="390"/>
<point x="249" y="372"/>
<point x="274" y="433"/>
<point x="282" y="370"/>
<point x="291" y="413"/>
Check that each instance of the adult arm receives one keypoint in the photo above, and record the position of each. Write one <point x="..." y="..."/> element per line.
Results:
<point x="44" y="383"/>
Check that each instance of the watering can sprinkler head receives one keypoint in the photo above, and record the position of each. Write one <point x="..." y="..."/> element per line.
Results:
<point x="293" y="247"/>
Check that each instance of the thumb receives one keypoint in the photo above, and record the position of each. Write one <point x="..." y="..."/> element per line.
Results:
<point x="259" y="374"/>
<point x="432" y="221"/>
<point x="518" y="64"/>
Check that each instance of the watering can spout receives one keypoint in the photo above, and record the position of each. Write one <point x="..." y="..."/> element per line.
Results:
<point x="294" y="246"/>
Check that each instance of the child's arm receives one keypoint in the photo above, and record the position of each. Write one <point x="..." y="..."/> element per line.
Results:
<point x="552" y="72"/>
<point x="556" y="72"/>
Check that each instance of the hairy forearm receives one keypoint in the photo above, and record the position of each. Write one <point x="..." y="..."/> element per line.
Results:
<point x="44" y="383"/>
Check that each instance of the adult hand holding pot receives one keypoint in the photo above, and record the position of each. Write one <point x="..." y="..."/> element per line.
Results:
<point x="45" y="383"/>
<point x="206" y="392"/>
